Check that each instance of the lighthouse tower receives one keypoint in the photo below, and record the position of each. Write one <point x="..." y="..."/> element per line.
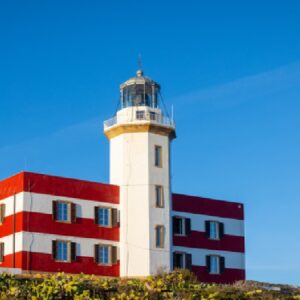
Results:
<point x="140" y="135"/>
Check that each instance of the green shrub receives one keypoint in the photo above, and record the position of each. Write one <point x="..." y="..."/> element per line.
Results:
<point x="180" y="284"/>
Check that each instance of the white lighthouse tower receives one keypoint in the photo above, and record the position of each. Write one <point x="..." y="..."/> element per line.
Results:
<point x="140" y="135"/>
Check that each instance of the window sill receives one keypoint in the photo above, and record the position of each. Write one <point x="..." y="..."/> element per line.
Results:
<point x="63" y="261"/>
<point x="104" y="265"/>
<point x="104" y="226"/>
<point x="65" y="222"/>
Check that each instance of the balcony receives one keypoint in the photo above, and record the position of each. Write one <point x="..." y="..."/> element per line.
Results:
<point x="140" y="117"/>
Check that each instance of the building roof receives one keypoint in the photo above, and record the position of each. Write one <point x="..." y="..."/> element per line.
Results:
<point x="58" y="186"/>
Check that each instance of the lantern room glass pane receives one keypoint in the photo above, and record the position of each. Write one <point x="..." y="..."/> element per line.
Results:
<point x="139" y="95"/>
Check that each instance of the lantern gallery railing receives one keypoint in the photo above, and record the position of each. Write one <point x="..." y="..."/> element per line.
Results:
<point x="142" y="116"/>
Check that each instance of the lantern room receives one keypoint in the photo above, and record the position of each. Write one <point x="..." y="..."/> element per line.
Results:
<point x="139" y="91"/>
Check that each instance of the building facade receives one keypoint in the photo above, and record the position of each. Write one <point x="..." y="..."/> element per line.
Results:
<point x="133" y="226"/>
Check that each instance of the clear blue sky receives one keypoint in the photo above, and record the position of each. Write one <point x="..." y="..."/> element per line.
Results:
<point x="230" y="68"/>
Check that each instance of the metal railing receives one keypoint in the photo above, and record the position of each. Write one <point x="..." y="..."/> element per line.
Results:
<point x="140" y="116"/>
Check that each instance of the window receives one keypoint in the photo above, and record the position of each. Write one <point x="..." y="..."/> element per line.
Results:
<point x="160" y="236"/>
<point x="158" y="156"/>
<point x="64" y="251"/>
<point x="215" y="264"/>
<point x="104" y="219"/>
<point x="2" y="213"/>
<point x="64" y="211"/>
<point x="152" y="116"/>
<point x="181" y="226"/>
<point x="214" y="230"/>
<point x="105" y="254"/>
<point x="159" y="196"/>
<point x="140" y="115"/>
<point x="106" y="216"/>
<point x="1" y="252"/>
<point x="182" y="260"/>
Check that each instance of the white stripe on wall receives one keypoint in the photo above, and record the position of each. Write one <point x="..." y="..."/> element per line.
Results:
<point x="234" y="260"/>
<point x="9" y="204"/>
<point x="231" y="226"/>
<point x="41" y="203"/>
<point x="42" y="243"/>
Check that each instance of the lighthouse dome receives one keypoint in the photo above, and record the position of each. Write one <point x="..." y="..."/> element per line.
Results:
<point x="139" y="91"/>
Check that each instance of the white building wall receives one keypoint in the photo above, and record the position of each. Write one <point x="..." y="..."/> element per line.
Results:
<point x="42" y="203"/>
<point x="233" y="260"/>
<point x="13" y="203"/>
<point x="231" y="226"/>
<point x="42" y="243"/>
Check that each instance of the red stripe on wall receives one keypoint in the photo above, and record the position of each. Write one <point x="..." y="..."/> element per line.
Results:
<point x="206" y="206"/>
<point x="43" y="223"/>
<point x="229" y="275"/>
<point x="59" y="186"/>
<point x="6" y="228"/>
<point x="12" y="185"/>
<point x="199" y="240"/>
<point x="8" y="260"/>
<point x="86" y="228"/>
<point x="44" y="263"/>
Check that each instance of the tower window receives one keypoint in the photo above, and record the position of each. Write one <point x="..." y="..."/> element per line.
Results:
<point x="105" y="254"/>
<point x="64" y="211"/>
<point x="1" y="252"/>
<point x="64" y="251"/>
<point x="140" y="115"/>
<point x="2" y="213"/>
<point x="158" y="156"/>
<point x="214" y="230"/>
<point x="152" y="116"/>
<point x="159" y="196"/>
<point x="160" y="236"/>
<point x="215" y="264"/>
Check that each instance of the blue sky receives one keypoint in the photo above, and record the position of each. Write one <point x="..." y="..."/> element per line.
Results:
<point x="230" y="68"/>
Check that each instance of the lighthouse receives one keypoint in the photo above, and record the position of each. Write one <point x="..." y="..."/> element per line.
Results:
<point x="140" y="136"/>
<point x="134" y="226"/>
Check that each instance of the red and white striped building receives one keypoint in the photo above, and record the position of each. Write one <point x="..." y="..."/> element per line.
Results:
<point x="134" y="226"/>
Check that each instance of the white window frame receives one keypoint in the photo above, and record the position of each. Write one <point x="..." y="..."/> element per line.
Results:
<point x="68" y="243"/>
<point x="109" y="249"/>
<point x="109" y="212"/>
<point x="68" y="204"/>
<point x="215" y="224"/>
